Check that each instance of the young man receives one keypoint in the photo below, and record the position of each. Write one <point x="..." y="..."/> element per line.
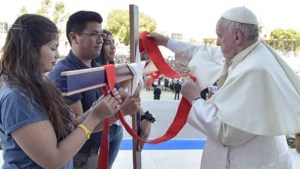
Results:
<point x="84" y="32"/>
<point x="246" y="120"/>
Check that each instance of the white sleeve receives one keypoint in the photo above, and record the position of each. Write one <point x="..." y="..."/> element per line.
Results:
<point x="205" y="62"/>
<point x="204" y="118"/>
<point x="183" y="51"/>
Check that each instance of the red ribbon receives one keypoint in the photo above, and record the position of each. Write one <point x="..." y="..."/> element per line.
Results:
<point x="154" y="53"/>
<point x="104" y="149"/>
<point x="153" y="77"/>
<point x="183" y="109"/>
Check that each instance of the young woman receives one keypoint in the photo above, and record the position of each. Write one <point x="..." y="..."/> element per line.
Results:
<point x="107" y="56"/>
<point x="38" y="130"/>
<point x="108" y="50"/>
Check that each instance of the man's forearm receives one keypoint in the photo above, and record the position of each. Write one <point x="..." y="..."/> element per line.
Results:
<point x="112" y="120"/>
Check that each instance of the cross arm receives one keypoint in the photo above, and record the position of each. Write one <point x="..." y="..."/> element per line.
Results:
<point x="78" y="81"/>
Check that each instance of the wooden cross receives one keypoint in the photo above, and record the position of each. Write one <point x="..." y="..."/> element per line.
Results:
<point x="78" y="81"/>
<point x="134" y="38"/>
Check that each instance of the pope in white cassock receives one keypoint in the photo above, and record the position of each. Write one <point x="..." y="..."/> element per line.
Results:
<point x="257" y="101"/>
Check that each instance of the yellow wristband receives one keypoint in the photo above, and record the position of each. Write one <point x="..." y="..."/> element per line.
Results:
<point x="86" y="130"/>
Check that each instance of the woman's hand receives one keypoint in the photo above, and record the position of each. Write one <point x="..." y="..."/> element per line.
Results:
<point x="117" y="95"/>
<point x="105" y="107"/>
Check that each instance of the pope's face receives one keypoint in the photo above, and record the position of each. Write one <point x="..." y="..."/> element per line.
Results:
<point x="226" y="40"/>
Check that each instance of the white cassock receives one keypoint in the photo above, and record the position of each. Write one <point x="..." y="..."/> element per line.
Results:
<point x="296" y="158"/>
<point x="245" y="121"/>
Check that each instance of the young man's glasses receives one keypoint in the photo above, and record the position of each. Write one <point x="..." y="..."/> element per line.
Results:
<point x="95" y="34"/>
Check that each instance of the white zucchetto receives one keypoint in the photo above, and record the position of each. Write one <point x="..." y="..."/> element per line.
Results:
<point x="241" y="15"/>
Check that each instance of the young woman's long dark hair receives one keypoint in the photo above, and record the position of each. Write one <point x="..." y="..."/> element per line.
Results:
<point x="101" y="58"/>
<point x="22" y="71"/>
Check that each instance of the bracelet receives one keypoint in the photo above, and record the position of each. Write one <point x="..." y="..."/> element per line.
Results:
<point x="86" y="131"/>
<point x="148" y="116"/>
<point x="195" y="99"/>
<point x="199" y="97"/>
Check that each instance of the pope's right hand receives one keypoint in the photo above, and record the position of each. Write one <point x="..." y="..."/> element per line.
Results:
<point x="160" y="39"/>
<point x="190" y="90"/>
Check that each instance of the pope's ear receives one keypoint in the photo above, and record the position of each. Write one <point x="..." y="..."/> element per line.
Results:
<point x="238" y="36"/>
